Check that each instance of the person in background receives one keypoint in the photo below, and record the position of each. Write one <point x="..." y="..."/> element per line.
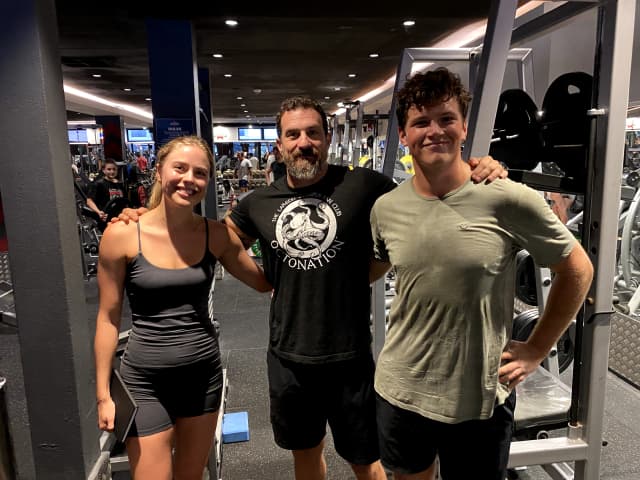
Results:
<point x="278" y="168"/>
<point x="270" y="159"/>
<point x="254" y="161"/>
<point x="141" y="162"/>
<point x="171" y="363"/>
<point x="243" y="173"/>
<point x="315" y="239"/>
<point x="105" y="189"/>
<point x="446" y="375"/>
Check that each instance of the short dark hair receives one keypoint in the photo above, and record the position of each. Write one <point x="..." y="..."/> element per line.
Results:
<point x="429" y="88"/>
<point x="293" y="103"/>
<point x="109" y="160"/>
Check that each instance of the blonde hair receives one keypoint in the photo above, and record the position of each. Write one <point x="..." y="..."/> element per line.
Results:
<point x="187" y="141"/>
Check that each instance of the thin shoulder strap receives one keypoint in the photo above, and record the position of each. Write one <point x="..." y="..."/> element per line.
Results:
<point x="206" y="229"/>
<point x="139" y="241"/>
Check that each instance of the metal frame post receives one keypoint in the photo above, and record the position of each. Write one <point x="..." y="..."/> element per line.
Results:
<point x="488" y="85"/>
<point x="611" y="87"/>
<point x="334" y="139"/>
<point x="355" y="155"/>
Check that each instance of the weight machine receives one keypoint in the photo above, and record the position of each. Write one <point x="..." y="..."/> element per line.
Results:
<point x="345" y="155"/>
<point x="582" y="441"/>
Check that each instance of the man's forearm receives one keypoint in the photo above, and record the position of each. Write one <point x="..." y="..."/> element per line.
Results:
<point x="566" y="297"/>
<point x="246" y="240"/>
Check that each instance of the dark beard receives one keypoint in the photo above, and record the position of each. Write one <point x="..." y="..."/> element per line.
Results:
<point x="306" y="171"/>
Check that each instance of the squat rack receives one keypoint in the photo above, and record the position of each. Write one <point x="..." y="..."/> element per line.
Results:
<point x="612" y="69"/>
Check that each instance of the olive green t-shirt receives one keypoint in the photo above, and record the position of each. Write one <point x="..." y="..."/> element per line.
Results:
<point x="455" y="266"/>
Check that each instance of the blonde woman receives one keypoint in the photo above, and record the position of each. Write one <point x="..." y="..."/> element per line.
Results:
<point x="165" y="262"/>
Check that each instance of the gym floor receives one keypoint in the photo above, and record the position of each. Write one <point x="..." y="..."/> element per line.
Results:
<point x="243" y="316"/>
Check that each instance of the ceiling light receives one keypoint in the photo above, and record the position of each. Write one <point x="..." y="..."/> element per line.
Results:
<point x="257" y="91"/>
<point x="148" y="99"/>
<point x="337" y="89"/>
<point x="228" y="75"/>
<point x="231" y="23"/>
<point x="238" y="98"/>
<point x="126" y="89"/>
<point x="217" y="55"/>
<point x="248" y="116"/>
<point x="243" y="104"/>
<point x="352" y="75"/>
<point x="408" y="23"/>
<point x="103" y="101"/>
<point x="373" y="55"/>
<point x="246" y="111"/>
<point x="327" y="98"/>
<point x="96" y="75"/>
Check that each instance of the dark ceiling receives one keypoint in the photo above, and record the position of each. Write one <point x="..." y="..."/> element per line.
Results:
<point x="277" y="50"/>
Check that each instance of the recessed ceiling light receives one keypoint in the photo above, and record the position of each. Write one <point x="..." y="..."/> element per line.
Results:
<point x="337" y="89"/>
<point x="217" y="55"/>
<point x="246" y="111"/>
<point x="243" y="104"/>
<point x="228" y="75"/>
<point x="126" y="89"/>
<point x="248" y="116"/>
<point x="352" y="75"/>
<point x="408" y="23"/>
<point x="373" y="55"/>
<point x="231" y="23"/>
<point x="327" y="98"/>
<point x="96" y="75"/>
<point x="238" y="98"/>
<point x="148" y="99"/>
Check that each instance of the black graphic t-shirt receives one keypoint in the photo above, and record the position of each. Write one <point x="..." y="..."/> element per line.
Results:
<point x="102" y="191"/>
<point x="316" y="247"/>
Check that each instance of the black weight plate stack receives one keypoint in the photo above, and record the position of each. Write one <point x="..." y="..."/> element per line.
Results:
<point x="517" y="140"/>
<point x="565" y="123"/>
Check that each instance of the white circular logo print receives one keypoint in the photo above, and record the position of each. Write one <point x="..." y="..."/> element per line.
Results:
<point x="306" y="228"/>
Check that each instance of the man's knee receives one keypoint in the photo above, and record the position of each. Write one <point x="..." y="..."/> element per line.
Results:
<point x="309" y="453"/>
<point x="372" y="471"/>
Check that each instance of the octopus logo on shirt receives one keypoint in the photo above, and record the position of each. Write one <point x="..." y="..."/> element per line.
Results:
<point x="306" y="228"/>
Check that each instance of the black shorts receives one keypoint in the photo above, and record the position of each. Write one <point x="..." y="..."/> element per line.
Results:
<point x="305" y="397"/>
<point x="409" y="442"/>
<point x="164" y="394"/>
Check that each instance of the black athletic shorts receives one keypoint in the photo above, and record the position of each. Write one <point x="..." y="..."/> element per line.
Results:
<point x="164" y="394"/>
<point x="305" y="397"/>
<point x="409" y="442"/>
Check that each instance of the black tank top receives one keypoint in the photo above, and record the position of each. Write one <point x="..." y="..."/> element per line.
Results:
<point x="170" y="317"/>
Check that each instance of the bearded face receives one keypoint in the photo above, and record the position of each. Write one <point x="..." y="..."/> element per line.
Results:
<point x="304" y="144"/>
<point x="305" y="163"/>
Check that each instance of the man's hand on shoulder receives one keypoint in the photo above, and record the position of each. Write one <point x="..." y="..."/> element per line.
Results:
<point x="486" y="169"/>
<point x="129" y="214"/>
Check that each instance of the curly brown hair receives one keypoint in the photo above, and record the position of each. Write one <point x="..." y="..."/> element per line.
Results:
<point x="430" y="88"/>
